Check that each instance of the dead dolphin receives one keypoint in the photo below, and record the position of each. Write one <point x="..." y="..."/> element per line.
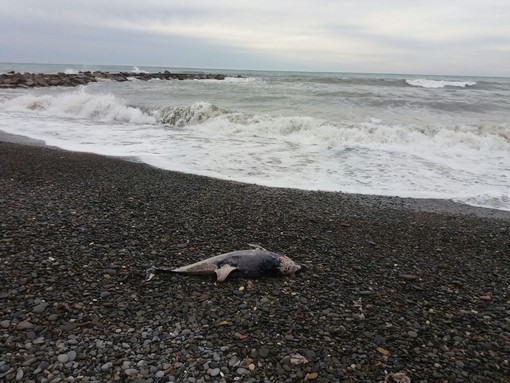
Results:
<point x="252" y="263"/>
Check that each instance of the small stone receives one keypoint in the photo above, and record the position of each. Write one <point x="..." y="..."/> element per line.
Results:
<point x="379" y="340"/>
<point x="240" y="336"/>
<point x="19" y="374"/>
<point x="63" y="358"/>
<point x="105" y="294"/>
<point x="131" y="371"/>
<point x="5" y="323"/>
<point x="214" y="372"/>
<point x="234" y="361"/>
<point x="25" y="325"/>
<point x="263" y="352"/>
<point x="298" y="359"/>
<point x="40" y="307"/>
<point x="159" y="374"/>
<point x="382" y="351"/>
<point x="412" y="334"/>
<point x="311" y="376"/>
<point x="106" y="366"/>
<point x="485" y="298"/>
<point x="242" y="371"/>
<point x="71" y="355"/>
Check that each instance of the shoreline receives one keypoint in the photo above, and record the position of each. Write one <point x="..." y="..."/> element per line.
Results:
<point x="392" y="285"/>
<point x="419" y="204"/>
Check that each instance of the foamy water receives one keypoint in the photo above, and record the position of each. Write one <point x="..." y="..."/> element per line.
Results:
<point x="372" y="134"/>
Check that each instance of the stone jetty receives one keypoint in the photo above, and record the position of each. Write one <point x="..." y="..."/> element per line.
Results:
<point x="31" y="80"/>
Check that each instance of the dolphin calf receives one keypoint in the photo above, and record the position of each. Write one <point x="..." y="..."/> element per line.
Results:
<point x="252" y="263"/>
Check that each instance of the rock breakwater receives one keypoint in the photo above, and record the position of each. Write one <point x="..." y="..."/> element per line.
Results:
<point x="31" y="80"/>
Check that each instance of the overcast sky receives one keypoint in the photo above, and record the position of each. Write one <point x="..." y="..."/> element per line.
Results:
<point x="465" y="37"/>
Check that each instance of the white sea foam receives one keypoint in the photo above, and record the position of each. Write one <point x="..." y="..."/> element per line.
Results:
<point x="71" y="71"/>
<point x="435" y="84"/>
<point x="492" y="200"/>
<point x="207" y="119"/>
<point x="79" y="104"/>
<point x="138" y="70"/>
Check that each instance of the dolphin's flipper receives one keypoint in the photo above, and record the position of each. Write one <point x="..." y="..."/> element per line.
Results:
<point x="223" y="272"/>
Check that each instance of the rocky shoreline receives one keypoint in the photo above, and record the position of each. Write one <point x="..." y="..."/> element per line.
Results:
<point x="391" y="294"/>
<point x="31" y="80"/>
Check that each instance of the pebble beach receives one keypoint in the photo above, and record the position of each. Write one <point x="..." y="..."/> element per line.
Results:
<point x="396" y="290"/>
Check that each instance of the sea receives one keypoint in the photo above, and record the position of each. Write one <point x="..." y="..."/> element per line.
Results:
<point x="420" y="136"/>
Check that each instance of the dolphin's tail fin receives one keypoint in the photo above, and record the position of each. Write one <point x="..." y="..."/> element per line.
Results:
<point x="153" y="270"/>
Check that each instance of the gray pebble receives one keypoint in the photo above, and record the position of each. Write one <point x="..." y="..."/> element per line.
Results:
<point x="214" y="372"/>
<point x="5" y="323"/>
<point x="19" y="374"/>
<point x="159" y="374"/>
<point x="71" y="355"/>
<point x="263" y="352"/>
<point x="63" y="358"/>
<point x="25" y="325"/>
<point x="40" y="307"/>
<point x="234" y="361"/>
<point x="131" y="371"/>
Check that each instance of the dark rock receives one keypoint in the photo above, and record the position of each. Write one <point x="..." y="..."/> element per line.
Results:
<point x="15" y="80"/>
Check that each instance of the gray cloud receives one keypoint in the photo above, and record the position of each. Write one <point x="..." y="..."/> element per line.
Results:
<point x="454" y="37"/>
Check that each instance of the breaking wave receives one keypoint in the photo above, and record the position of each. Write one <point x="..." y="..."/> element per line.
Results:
<point x="436" y="84"/>
<point x="79" y="104"/>
<point x="138" y="70"/>
<point x="193" y="114"/>
<point x="306" y="130"/>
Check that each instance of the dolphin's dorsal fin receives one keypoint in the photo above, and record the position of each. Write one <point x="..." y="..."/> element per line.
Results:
<point x="223" y="272"/>
<point x="256" y="247"/>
